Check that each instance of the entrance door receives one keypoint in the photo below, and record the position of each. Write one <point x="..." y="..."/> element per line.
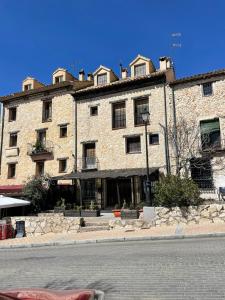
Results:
<point x="118" y="191"/>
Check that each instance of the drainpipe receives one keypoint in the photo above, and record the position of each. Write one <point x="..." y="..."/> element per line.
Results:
<point x="1" y="145"/>
<point x="175" y="130"/>
<point x="167" y="155"/>
<point x="75" y="135"/>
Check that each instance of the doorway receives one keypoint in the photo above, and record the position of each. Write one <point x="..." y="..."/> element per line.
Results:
<point x="118" y="191"/>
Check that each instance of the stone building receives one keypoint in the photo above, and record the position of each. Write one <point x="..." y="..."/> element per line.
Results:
<point x="38" y="130"/>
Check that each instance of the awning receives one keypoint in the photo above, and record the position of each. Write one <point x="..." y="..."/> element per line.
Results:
<point x="117" y="173"/>
<point x="10" y="188"/>
<point x="7" y="202"/>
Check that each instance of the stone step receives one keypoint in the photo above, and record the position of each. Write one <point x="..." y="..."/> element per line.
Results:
<point x="90" y="224"/>
<point x="93" y="228"/>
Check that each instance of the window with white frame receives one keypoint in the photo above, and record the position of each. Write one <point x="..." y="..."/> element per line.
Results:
<point x="140" y="70"/>
<point x="102" y="79"/>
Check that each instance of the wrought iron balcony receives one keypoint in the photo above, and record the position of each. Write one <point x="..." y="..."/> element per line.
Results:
<point x="88" y="163"/>
<point x="216" y="146"/>
<point x="40" y="148"/>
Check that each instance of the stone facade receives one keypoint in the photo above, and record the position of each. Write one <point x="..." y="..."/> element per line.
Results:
<point x="49" y="223"/>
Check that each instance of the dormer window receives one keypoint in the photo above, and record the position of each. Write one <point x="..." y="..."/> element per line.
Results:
<point x="102" y="79"/>
<point x="27" y="87"/>
<point x="59" y="79"/>
<point x="140" y="70"/>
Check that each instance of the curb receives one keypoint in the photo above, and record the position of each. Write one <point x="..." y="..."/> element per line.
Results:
<point x="113" y="240"/>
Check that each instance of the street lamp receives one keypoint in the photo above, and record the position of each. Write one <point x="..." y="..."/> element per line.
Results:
<point x="145" y="117"/>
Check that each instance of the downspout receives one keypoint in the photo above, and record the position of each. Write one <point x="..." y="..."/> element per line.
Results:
<point x="75" y="135"/>
<point x="1" y="146"/>
<point x="175" y="130"/>
<point x="167" y="155"/>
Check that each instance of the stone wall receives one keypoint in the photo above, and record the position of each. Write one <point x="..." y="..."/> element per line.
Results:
<point x="49" y="223"/>
<point x="214" y="213"/>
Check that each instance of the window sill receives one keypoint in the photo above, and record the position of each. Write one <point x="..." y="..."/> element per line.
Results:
<point x="139" y="125"/>
<point x="62" y="172"/>
<point x="45" y="121"/>
<point x="154" y="144"/>
<point x="117" y="128"/>
<point x="139" y="152"/>
<point x="63" y="137"/>
<point x="10" y="121"/>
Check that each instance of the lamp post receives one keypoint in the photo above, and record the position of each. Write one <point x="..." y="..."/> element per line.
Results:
<point x="145" y="117"/>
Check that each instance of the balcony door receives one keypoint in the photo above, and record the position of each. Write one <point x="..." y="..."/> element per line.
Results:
<point x="41" y="136"/>
<point x="89" y="159"/>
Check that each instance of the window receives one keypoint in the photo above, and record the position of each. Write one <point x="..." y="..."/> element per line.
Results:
<point x="119" y="115"/>
<point x="40" y="168"/>
<point x="47" y="111"/>
<point x="140" y="106"/>
<point x="63" y="131"/>
<point x="102" y="79"/>
<point x="27" y="87"/>
<point x="133" y="144"/>
<point x="12" y="114"/>
<point x="210" y="134"/>
<point x="140" y="70"/>
<point x="58" y="79"/>
<point x="41" y="136"/>
<point x="13" y="140"/>
<point x="207" y="89"/>
<point x="201" y="172"/>
<point x="154" y="139"/>
<point x="62" y="165"/>
<point x="94" y="110"/>
<point x="89" y="157"/>
<point x="11" y="170"/>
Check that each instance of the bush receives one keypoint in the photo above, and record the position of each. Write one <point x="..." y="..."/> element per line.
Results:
<point x="173" y="191"/>
<point x="35" y="192"/>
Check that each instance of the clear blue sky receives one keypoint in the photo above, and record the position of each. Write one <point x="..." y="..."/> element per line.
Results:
<point x="36" y="37"/>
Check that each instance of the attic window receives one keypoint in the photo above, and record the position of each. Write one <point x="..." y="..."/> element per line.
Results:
<point x="27" y="87"/>
<point x="140" y="70"/>
<point x="102" y="79"/>
<point x="58" y="79"/>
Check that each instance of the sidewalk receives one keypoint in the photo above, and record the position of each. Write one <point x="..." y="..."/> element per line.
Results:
<point x="163" y="232"/>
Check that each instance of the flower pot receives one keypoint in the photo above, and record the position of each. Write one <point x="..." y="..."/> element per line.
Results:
<point x="117" y="213"/>
<point x="90" y="213"/>
<point x="72" y="213"/>
<point x="129" y="214"/>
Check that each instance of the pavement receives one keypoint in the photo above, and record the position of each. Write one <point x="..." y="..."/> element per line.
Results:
<point x="189" y="269"/>
<point x="159" y="233"/>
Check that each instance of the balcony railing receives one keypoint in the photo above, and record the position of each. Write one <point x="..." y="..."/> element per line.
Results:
<point x="40" y="147"/>
<point x="213" y="147"/>
<point x="88" y="163"/>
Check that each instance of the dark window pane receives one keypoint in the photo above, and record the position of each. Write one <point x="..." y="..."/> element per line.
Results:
<point x="119" y="115"/>
<point x="134" y="144"/>
<point x="11" y="170"/>
<point x="62" y="165"/>
<point x="210" y="134"/>
<point x="154" y="139"/>
<point x="141" y="106"/>
<point x="12" y="114"/>
<point x="201" y="172"/>
<point x="47" y="111"/>
<point x="13" y="140"/>
<point x="40" y="168"/>
<point x="94" y="110"/>
<point x="88" y="189"/>
<point x="207" y="88"/>
<point x="63" y="131"/>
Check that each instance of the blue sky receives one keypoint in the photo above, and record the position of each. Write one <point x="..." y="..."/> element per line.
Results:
<point x="36" y="37"/>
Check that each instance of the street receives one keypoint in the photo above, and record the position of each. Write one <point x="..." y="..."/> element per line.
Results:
<point x="179" y="269"/>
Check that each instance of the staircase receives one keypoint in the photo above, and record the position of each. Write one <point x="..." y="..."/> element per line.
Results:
<point x="95" y="224"/>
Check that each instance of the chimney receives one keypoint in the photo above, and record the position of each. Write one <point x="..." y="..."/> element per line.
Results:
<point x="89" y="77"/>
<point x="124" y="73"/>
<point x="81" y="75"/>
<point x="165" y="63"/>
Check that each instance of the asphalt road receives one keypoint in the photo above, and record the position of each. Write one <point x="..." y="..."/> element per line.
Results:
<point x="179" y="269"/>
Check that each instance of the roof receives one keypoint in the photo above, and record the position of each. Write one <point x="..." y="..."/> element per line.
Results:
<point x="122" y="173"/>
<point x="74" y="85"/>
<point x="138" y="57"/>
<point x="196" y="77"/>
<point x="120" y="82"/>
<point x="101" y="67"/>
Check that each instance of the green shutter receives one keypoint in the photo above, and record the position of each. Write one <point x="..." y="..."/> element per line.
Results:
<point x="209" y="126"/>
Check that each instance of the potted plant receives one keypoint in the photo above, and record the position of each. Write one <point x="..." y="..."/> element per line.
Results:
<point x="129" y="213"/>
<point x="92" y="211"/>
<point x="60" y="206"/>
<point x="116" y="211"/>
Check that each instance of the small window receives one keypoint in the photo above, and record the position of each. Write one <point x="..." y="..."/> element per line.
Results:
<point x="13" y="140"/>
<point x="102" y="79"/>
<point x="59" y="79"/>
<point x="11" y="170"/>
<point x="140" y="70"/>
<point x="47" y="111"/>
<point x="63" y="131"/>
<point x="154" y="139"/>
<point x="207" y="89"/>
<point x="133" y="144"/>
<point x="27" y="87"/>
<point x="12" y="114"/>
<point x="62" y="165"/>
<point x="94" y="110"/>
<point x="119" y="115"/>
<point x="140" y="106"/>
<point x="40" y="168"/>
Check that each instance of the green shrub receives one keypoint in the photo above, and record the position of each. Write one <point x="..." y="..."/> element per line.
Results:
<point x="36" y="194"/>
<point x="173" y="191"/>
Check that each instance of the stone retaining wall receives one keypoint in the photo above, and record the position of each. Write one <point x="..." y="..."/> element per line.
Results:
<point x="213" y="213"/>
<point x="49" y="222"/>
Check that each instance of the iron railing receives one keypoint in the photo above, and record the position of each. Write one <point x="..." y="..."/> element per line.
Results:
<point x="40" y="147"/>
<point x="206" y="146"/>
